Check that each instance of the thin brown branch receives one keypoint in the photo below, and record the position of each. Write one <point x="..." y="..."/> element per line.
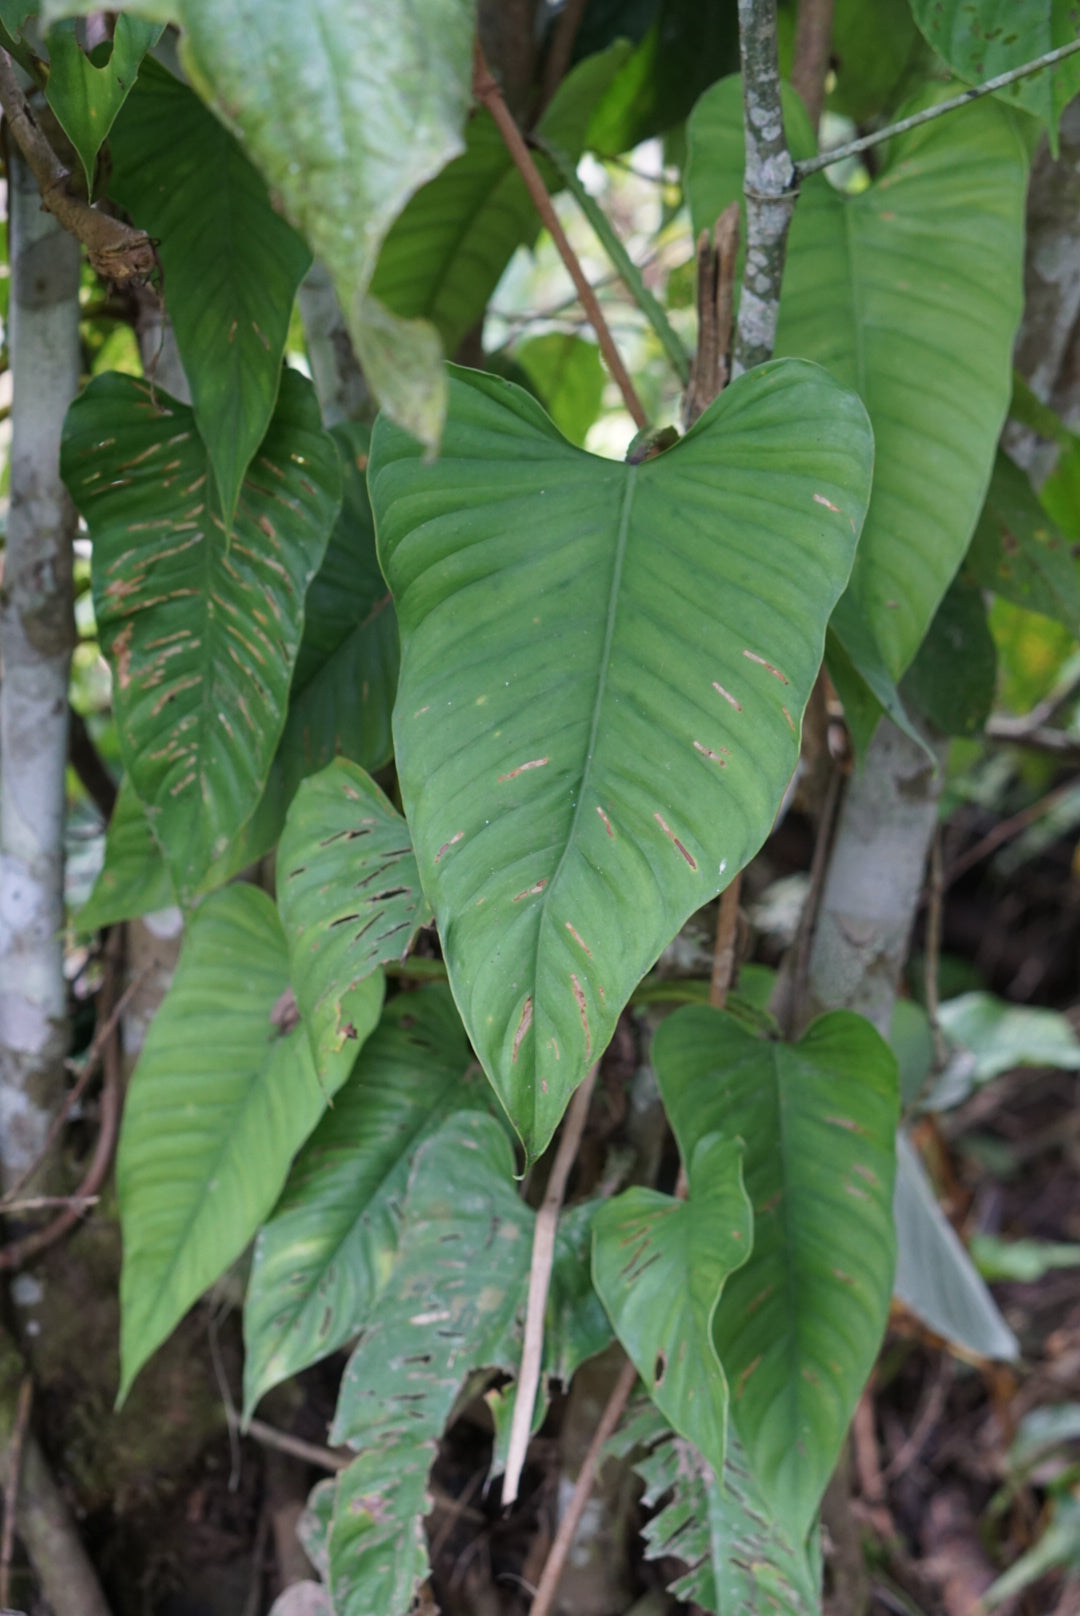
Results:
<point x="711" y="368"/>
<point x="11" y="1486"/>
<point x="1034" y="738"/>
<point x="562" y="49"/>
<point x="1006" y="830"/>
<point x="117" y="251"/>
<point x="564" y="1537"/>
<point x="28" y="1246"/>
<point x="268" y="1436"/>
<point x="543" y="1256"/>
<point x="489" y="95"/>
<point x="813" y="43"/>
<point x="44" y="1203"/>
<point x="727" y="930"/>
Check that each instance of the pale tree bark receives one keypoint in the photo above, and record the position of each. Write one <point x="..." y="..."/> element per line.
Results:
<point x="37" y="633"/>
<point x="335" y="370"/>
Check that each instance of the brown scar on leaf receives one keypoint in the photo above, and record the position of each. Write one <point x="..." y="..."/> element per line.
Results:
<point x="727" y="696"/>
<point x="535" y="763"/>
<point x="122" y="652"/>
<point x="854" y="1191"/>
<point x="286" y="1014"/>
<point x="607" y="822"/>
<point x="579" y="940"/>
<point x="522" y="1028"/>
<point x="267" y="526"/>
<point x="847" y="1123"/>
<point x="706" y="751"/>
<point x="791" y="721"/>
<point x="232" y="332"/>
<point x="752" y="656"/>
<point x="867" y="1173"/>
<point x="530" y="892"/>
<point x="446" y="846"/>
<point x="819" y="499"/>
<point x="670" y="834"/>
<point x="740" y="1385"/>
<point x="553" y="1045"/>
<point x="762" y="1296"/>
<point x="583" y="1010"/>
<point x="845" y="1279"/>
<point x="263" y="338"/>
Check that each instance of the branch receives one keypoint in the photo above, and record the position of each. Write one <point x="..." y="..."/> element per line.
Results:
<point x="769" y="186"/>
<point x="489" y="95"/>
<point x="812" y="165"/>
<point x="543" y="1256"/>
<point x="11" y="1486"/>
<point x="564" y="1537"/>
<point x="88" y="764"/>
<point x="711" y="368"/>
<point x="562" y="48"/>
<point x="117" y="251"/>
<point x="813" y="40"/>
<point x="628" y="271"/>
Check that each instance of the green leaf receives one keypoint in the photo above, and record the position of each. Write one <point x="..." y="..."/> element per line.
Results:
<point x="346" y="110"/>
<point x="981" y="38"/>
<point x="458" y="1287"/>
<point x="568" y="376"/>
<point x="134" y="879"/>
<point x="1019" y="553"/>
<point x="910" y="291"/>
<point x="803" y="1319"/>
<point x="686" y="48"/>
<point x="604" y="669"/>
<point x="660" y="1266"/>
<point x="863" y="683"/>
<point x="221" y="1099"/>
<point x="871" y="48"/>
<point x="350" y="900"/>
<point x="1022" y="1260"/>
<point x="86" y="95"/>
<point x="444" y="256"/>
<point x="739" y="1560"/>
<point x="991" y="1036"/>
<point x="954" y="674"/>
<point x="231" y="263"/>
<point x="201" y="633"/>
<point x="322" y="1260"/>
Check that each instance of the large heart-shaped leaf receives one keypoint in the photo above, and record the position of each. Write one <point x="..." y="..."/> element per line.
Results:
<point x="222" y="1097"/>
<point x="739" y="1559"/>
<point x="604" y="668"/>
<point x="323" y="1258"/>
<point x="86" y="93"/>
<point x="910" y="291"/>
<point x="982" y="38"/>
<point x="346" y="110"/>
<point x="1019" y="553"/>
<point x="800" y="1323"/>
<point x="444" y="256"/>
<point x="201" y="631"/>
<point x="350" y="900"/>
<point x="454" y="1305"/>
<point x="660" y="1266"/>
<point x="231" y="263"/>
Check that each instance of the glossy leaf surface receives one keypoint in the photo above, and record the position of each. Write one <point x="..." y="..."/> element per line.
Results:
<point x="222" y="1097"/>
<point x="231" y="263"/>
<point x="604" y="668"/>
<point x="660" y="1266"/>
<point x="910" y="292"/>
<point x="567" y="373"/>
<point x="350" y="900"/>
<point x="86" y="93"/>
<point x="799" y="1325"/>
<point x="954" y="674"/>
<point x="201" y="632"/>
<point x="323" y="1258"/>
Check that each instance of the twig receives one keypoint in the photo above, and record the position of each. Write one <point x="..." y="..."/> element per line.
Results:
<point x="117" y="251"/>
<point x="813" y="39"/>
<point x="769" y="186"/>
<point x="868" y="1467"/>
<point x="269" y="1437"/>
<point x="562" y="48"/>
<point x="1037" y="738"/>
<point x="253" y="1602"/>
<point x="1006" y="830"/>
<point x="727" y="926"/>
<point x="85" y="1073"/>
<point x="487" y="92"/>
<point x="711" y="367"/>
<point x="564" y="1537"/>
<point x="543" y="1256"/>
<point x="11" y="1486"/>
<point x="812" y="165"/>
<point x="31" y="1245"/>
<point x="628" y="271"/>
<point x="41" y="1203"/>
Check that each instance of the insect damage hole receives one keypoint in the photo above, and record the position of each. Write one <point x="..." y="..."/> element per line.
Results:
<point x="659" y="1368"/>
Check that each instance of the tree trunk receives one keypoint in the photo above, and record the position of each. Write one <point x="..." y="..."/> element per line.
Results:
<point x="37" y="633"/>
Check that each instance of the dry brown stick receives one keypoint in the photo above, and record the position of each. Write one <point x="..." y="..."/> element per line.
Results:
<point x="711" y="367"/>
<point x="564" y="1537"/>
<point x="11" y="1486"/>
<point x="813" y="41"/>
<point x="270" y="1437"/>
<point x="727" y="929"/>
<point x="543" y="1256"/>
<point x="43" y="1203"/>
<point x="116" y="250"/>
<point x="489" y="95"/>
<point x="1006" y="830"/>
<point x="89" y="1067"/>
